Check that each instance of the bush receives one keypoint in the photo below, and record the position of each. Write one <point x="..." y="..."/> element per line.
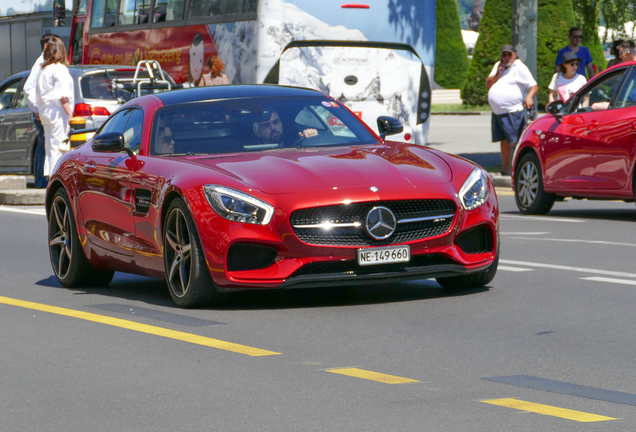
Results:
<point x="451" y="59"/>
<point x="495" y="30"/>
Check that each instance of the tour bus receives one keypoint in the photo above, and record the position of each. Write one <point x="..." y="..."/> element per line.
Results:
<point x="375" y="57"/>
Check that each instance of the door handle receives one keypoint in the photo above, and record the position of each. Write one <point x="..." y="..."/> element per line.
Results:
<point x="593" y="125"/>
<point x="90" y="168"/>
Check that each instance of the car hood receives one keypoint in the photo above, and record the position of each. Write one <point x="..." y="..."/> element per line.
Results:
<point x="390" y="166"/>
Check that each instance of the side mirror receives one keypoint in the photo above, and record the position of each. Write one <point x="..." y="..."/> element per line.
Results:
<point x="389" y="126"/>
<point x="111" y="142"/>
<point x="554" y="108"/>
<point x="59" y="12"/>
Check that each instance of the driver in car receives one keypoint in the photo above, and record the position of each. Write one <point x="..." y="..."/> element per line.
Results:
<point x="271" y="130"/>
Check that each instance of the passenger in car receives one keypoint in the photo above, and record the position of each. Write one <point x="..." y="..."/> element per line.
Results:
<point x="55" y="100"/>
<point x="165" y="140"/>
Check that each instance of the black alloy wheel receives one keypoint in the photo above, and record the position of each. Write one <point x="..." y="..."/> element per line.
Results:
<point x="187" y="273"/>
<point x="70" y="265"/>
<point x="530" y="196"/>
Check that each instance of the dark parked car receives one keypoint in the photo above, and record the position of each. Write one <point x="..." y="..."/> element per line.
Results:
<point x="95" y="100"/>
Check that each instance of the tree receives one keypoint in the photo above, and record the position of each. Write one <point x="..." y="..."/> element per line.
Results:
<point x="451" y="60"/>
<point x="588" y="17"/>
<point x="556" y="17"/>
<point x="495" y="30"/>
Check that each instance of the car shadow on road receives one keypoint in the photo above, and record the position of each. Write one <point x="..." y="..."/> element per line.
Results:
<point x="154" y="291"/>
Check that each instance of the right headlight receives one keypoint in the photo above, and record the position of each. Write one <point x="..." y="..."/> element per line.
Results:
<point x="474" y="191"/>
<point x="238" y="206"/>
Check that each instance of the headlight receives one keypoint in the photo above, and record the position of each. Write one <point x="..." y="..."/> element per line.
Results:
<point x="474" y="192"/>
<point x="238" y="206"/>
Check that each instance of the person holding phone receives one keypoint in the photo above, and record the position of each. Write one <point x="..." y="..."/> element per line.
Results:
<point x="507" y="83"/>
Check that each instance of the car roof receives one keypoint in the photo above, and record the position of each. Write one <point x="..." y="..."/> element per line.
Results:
<point x="233" y="91"/>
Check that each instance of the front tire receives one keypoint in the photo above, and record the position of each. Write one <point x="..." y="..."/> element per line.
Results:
<point x="187" y="273"/>
<point x="70" y="265"/>
<point x="530" y="196"/>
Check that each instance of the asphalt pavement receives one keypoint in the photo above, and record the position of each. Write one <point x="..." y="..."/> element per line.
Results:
<point x="547" y="346"/>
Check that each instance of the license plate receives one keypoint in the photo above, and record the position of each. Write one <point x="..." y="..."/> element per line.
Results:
<point x="384" y="255"/>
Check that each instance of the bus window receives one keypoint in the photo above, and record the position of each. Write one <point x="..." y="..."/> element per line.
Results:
<point x="77" y="42"/>
<point x="206" y="8"/>
<point x="134" y="12"/>
<point x="169" y="10"/>
<point x="241" y="6"/>
<point x="97" y="18"/>
<point x="111" y="13"/>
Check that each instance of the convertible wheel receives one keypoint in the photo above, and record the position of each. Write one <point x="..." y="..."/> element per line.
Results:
<point x="473" y="280"/>
<point x="187" y="273"/>
<point x="70" y="265"/>
<point x="529" y="193"/>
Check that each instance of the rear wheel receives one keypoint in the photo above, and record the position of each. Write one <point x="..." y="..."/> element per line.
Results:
<point x="70" y="265"/>
<point x="473" y="280"/>
<point x="530" y="196"/>
<point x="187" y="273"/>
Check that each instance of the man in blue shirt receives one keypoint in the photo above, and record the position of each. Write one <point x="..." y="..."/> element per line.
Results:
<point x="580" y="51"/>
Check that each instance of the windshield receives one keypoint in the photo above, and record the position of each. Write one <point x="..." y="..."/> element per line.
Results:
<point x="256" y="124"/>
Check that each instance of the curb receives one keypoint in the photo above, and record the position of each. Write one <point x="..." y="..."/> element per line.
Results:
<point x="12" y="182"/>
<point x="501" y="181"/>
<point x="22" y="197"/>
<point x="461" y="113"/>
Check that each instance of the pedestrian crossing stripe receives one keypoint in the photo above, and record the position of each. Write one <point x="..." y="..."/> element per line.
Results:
<point x="548" y="410"/>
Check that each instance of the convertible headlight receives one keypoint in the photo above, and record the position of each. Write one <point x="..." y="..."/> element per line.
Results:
<point x="238" y="206"/>
<point x="474" y="192"/>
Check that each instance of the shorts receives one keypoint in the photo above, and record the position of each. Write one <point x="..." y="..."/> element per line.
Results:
<point x="508" y="127"/>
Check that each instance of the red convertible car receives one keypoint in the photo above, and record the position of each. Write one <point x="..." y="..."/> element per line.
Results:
<point x="253" y="187"/>
<point x="584" y="148"/>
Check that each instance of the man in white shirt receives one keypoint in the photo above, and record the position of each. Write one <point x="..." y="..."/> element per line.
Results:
<point x="29" y="91"/>
<point x="507" y="83"/>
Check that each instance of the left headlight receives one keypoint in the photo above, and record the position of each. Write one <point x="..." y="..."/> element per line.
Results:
<point x="474" y="192"/>
<point x="238" y="206"/>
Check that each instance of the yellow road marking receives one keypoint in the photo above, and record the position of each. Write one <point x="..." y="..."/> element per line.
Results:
<point x="373" y="376"/>
<point x="505" y="192"/>
<point x="548" y="410"/>
<point x="143" y="328"/>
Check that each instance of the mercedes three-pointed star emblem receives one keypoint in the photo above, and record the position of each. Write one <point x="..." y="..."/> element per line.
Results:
<point x="380" y="223"/>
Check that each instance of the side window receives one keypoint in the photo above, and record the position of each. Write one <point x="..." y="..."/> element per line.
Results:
<point x="97" y="13"/>
<point x="132" y="133"/>
<point x="205" y="8"/>
<point x="241" y="6"/>
<point x="78" y="42"/>
<point x="111" y="13"/>
<point x="134" y="12"/>
<point x="627" y="98"/>
<point x="7" y="93"/>
<point x="598" y="97"/>
<point x="169" y="10"/>
<point x="21" y="101"/>
<point x="116" y="123"/>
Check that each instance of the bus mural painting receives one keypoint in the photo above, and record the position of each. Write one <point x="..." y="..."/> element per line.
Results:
<point x="372" y="57"/>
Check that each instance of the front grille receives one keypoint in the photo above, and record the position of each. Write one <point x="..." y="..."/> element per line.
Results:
<point x="351" y="267"/>
<point x="475" y="240"/>
<point x="356" y="212"/>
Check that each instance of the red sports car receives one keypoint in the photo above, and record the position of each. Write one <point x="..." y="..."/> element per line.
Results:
<point x="253" y="187"/>
<point x="584" y="148"/>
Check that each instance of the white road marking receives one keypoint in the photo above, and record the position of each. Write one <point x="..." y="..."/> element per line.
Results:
<point x="602" y="242"/>
<point x="616" y="281"/>
<point x="539" y="218"/>
<point x="36" y="211"/>
<point x="524" y="233"/>
<point x="513" y="269"/>
<point x="575" y="269"/>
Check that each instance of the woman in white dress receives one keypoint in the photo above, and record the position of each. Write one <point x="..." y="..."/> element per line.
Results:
<point x="55" y="101"/>
<point x="567" y="82"/>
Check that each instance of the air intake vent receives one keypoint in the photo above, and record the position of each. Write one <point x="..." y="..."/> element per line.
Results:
<point x="475" y="240"/>
<point x="250" y="256"/>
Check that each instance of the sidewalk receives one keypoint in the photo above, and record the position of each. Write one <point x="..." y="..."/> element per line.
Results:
<point x="14" y="191"/>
